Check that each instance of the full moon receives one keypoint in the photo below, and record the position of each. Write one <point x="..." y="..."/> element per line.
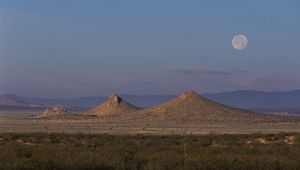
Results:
<point x="239" y="42"/>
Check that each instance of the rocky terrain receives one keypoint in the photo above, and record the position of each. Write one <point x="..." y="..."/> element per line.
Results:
<point x="191" y="109"/>
<point x="56" y="111"/>
<point x="112" y="106"/>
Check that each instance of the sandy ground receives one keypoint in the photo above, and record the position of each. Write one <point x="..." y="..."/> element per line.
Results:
<point x="96" y="126"/>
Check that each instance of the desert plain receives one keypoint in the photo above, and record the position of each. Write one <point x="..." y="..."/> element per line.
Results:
<point x="189" y="113"/>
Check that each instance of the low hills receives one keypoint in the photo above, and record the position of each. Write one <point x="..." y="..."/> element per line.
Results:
<point x="188" y="112"/>
<point x="192" y="108"/>
<point x="187" y="109"/>
<point x="112" y="106"/>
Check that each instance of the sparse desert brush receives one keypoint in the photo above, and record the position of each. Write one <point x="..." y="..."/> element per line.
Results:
<point x="79" y="151"/>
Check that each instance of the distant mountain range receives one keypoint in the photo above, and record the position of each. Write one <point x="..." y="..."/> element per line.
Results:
<point x="258" y="99"/>
<point x="82" y="102"/>
<point x="8" y="100"/>
<point x="242" y="99"/>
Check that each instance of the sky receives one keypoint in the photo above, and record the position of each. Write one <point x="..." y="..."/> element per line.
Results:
<point x="76" y="48"/>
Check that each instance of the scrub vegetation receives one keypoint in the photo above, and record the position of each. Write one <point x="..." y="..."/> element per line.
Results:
<point x="43" y="151"/>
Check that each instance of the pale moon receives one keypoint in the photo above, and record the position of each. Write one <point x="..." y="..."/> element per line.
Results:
<point x="239" y="42"/>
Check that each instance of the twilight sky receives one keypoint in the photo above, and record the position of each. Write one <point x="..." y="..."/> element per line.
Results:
<point x="75" y="48"/>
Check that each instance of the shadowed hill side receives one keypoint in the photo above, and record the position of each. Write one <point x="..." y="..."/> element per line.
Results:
<point x="113" y="105"/>
<point x="193" y="108"/>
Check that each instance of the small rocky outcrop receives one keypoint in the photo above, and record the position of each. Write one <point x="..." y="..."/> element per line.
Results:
<point x="56" y="111"/>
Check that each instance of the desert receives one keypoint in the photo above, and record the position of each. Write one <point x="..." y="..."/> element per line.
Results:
<point x="188" y="113"/>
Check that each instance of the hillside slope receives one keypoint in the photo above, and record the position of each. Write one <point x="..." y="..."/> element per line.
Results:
<point x="113" y="105"/>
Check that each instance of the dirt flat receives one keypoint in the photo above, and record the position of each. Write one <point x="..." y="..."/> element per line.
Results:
<point x="98" y="126"/>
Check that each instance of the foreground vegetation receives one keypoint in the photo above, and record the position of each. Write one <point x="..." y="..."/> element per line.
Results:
<point x="79" y="151"/>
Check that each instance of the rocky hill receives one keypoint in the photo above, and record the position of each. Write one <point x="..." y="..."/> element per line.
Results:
<point x="113" y="105"/>
<point x="190" y="109"/>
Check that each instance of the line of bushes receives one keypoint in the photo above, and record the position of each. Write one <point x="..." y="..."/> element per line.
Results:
<point x="80" y="151"/>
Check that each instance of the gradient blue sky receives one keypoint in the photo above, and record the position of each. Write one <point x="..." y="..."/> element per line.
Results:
<point x="77" y="48"/>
